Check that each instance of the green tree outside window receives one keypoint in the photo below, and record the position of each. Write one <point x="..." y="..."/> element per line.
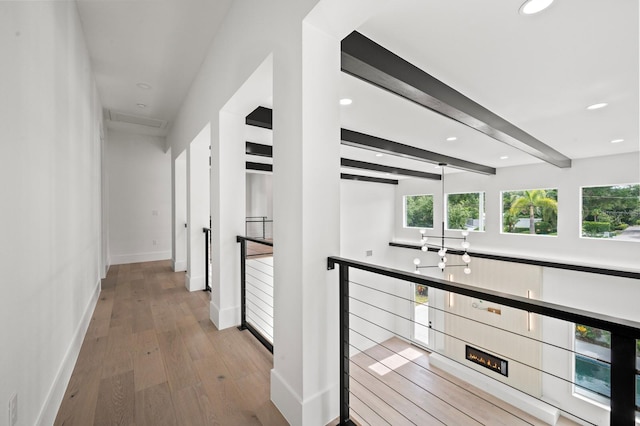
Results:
<point x="418" y="211"/>
<point x="611" y="211"/>
<point x="533" y="211"/>
<point x="465" y="211"/>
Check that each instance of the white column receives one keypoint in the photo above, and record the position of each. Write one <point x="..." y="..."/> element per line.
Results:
<point x="228" y="215"/>
<point x="306" y="197"/>
<point x="197" y="207"/>
<point x="180" y="213"/>
<point x="306" y="133"/>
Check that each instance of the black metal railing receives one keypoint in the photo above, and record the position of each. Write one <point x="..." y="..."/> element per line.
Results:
<point x="257" y="227"/>
<point x="207" y="258"/>
<point x="256" y="289"/>
<point x="383" y="318"/>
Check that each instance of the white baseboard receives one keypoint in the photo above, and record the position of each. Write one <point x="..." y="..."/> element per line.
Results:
<point x="179" y="265"/>
<point x="225" y="318"/>
<point x="54" y="398"/>
<point x="123" y="259"/>
<point x="194" y="283"/>
<point x="317" y="410"/>
<point x="526" y="403"/>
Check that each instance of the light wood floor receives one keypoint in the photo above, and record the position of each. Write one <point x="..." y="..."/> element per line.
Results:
<point x="389" y="389"/>
<point x="259" y="250"/>
<point x="152" y="357"/>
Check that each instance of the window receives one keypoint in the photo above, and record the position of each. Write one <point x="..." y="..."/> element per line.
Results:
<point x="418" y="211"/>
<point x="611" y="212"/>
<point x="593" y="363"/>
<point x="466" y="211"/>
<point x="532" y="211"/>
<point x="638" y="375"/>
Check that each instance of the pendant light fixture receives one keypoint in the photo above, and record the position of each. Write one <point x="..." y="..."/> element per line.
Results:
<point x="441" y="247"/>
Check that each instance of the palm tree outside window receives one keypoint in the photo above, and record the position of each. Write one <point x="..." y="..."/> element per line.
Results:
<point x="532" y="211"/>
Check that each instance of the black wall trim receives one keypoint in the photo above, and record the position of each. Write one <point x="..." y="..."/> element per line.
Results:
<point x="363" y="165"/>
<point x="259" y="149"/>
<point x="259" y="166"/>
<point x="346" y="176"/>
<point x="368" y="61"/>
<point x="567" y="266"/>
<point x="260" y="117"/>
<point x="362" y="140"/>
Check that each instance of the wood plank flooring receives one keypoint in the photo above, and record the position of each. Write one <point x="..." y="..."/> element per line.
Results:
<point x="151" y="356"/>
<point x="393" y="383"/>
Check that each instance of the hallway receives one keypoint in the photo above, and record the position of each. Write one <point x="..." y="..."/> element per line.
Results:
<point x="151" y="356"/>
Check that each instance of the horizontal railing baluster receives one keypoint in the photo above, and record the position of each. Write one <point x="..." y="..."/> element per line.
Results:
<point x="623" y="332"/>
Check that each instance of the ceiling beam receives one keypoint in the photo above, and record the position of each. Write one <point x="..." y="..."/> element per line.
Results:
<point x="259" y="166"/>
<point x="374" y="143"/>
<point x="362" y="165"/>
<point x="259" y="149"/>
<point x="269" y="168"/>
<point x="346" y="176"/>
<point x="262" y="117"/>
<point x="253" y="148"/>
<point x="368" y="61"/>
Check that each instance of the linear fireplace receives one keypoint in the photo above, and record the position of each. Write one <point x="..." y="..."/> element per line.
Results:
<point x="486" y="360"/>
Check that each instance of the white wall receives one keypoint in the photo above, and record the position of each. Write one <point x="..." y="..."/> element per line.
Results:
<point x="180" y="213"/>
<point x="139" y="172"/>
<point x="567" y="247"/>
<point x="367" y="215"/>
<point x="259" y="202"/>
<point x="50" y="257"/>
<point x="198" y="208"/>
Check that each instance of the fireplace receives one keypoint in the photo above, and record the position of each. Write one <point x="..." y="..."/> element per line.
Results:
<point x="486" y="360"/>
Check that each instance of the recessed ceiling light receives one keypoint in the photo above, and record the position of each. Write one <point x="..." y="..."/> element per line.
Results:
<point x="345" y="101"/>
<point x="597" y="106"/>
<point x="617" y="140"/>
<point x="530" y="7"/>
<point x="504" y="157"/>
<point x="436" y="167"/>
<point x="141" y="105"/>
<point x="379" y="155"/>
<point x="452" y="138"/>
<point x="144" y="86"/>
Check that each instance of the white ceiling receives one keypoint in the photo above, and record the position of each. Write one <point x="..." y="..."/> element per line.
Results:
<point x="157" y="42"/>
<point x="539" y="72"/>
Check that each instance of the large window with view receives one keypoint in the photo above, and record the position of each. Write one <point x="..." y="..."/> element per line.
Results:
<point x="418" y="211"/>
<point x="592" y="366"/>
<point x="611" y="212"/>
<point x="465" y="211"/>
<point x="531" y="211"/>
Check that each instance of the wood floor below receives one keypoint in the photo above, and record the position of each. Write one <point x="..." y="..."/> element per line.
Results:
<point x="151" y="356"/>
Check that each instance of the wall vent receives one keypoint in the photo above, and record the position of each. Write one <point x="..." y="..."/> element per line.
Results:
<point x="122" y="117"/>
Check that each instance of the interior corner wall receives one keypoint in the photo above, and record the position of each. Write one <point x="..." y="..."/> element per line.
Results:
<point x="139" y="173"/>
<point x="367" y="215"/>
<point x="50" y="249"/>
<point x="259" y="195"/>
